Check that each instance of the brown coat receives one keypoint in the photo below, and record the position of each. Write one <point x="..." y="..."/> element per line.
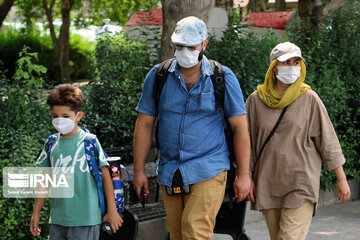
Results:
<point x="288" y="171"/>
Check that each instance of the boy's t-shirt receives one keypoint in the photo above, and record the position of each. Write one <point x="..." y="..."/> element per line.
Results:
<point x="84" y="208"/>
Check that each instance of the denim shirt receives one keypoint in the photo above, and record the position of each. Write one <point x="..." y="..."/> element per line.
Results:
<point x="191" y="132"/>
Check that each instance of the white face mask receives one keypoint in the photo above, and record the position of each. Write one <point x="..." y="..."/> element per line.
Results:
<point x="187" y="58"/>
<point x="288" y="74"/>
<point x="64" y="125"/>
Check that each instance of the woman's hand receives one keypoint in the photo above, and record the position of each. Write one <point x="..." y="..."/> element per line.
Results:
<point x="343" y="191"/>
<point x="252" y="193"/>
<point x="114" y="219"/>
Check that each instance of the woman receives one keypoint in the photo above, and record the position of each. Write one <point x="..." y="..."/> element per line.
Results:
<point x="286" y="174"/>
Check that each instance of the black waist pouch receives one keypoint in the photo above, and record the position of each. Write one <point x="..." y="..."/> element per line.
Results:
<point x="177" y="186"/>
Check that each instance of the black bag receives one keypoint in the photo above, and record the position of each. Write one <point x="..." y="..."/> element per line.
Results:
<point x="177" y="187"/>
<point x="128" y="231"/>
<point x="231" y="218"/>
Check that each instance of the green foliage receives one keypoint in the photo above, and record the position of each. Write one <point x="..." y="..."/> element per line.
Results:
<point x="332" y="57"/>
<point x="11" y="43"/>
<point x="30" y="11"/>
<point x="115" y="11"/>
<point x="25" y="120"/>
<point x="119" y="69"/>
<point x="245" y="53"/>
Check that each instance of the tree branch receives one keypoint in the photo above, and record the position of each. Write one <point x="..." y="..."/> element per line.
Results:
<point x="4" y="10"/>
<point x="333" y="5"/>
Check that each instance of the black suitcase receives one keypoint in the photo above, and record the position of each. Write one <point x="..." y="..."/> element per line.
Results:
<point x="230" y="219"/>
<point x="129" y="229"/>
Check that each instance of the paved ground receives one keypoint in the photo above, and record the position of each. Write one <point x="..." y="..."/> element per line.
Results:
<point x="337" y="221"/>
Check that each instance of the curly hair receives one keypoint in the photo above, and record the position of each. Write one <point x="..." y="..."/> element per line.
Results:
<point x="65" y="95"/>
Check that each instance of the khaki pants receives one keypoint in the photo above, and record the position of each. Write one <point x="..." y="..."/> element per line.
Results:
<point x="192" y="216"/>
<point x="289" y="223"/>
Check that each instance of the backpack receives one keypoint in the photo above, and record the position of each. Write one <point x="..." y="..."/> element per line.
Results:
<point x="218" y="81"/>
<point x="92" y="157"/>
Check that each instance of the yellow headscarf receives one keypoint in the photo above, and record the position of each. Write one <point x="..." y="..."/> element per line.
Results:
<point x="269" y="94"/>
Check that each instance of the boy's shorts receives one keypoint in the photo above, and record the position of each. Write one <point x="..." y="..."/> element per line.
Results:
<point x="58" y="232"/>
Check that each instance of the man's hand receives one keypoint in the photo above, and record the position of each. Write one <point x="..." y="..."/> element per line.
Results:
<point x="140" y="180"/>
<point x="34" y="224"/>
<point x="114" y="219"/>
<point x="141" y="146"/>
<point x="343" y="191"/>
<point x="242" y="185"/>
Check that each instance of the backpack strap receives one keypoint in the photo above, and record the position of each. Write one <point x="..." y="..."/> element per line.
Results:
<point x="92" y="158"/>
<point x="218" y="81"/>
<point x="160" y="78"/>
<point x="49" y="143"/>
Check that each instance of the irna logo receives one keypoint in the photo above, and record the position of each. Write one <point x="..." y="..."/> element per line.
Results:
<point x="17" y="180"/>
<point x="30" y="182"/>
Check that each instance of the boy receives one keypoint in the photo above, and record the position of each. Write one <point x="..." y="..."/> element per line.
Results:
<point x="78" y="217"/>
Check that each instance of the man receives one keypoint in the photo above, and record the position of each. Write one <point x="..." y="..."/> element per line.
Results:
<point x="191" y="135"/>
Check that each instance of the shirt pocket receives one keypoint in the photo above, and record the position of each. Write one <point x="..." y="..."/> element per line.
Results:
<point x="207" y="100"/>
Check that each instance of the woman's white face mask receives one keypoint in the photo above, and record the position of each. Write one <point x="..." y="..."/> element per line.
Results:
<point x="288" y="74"/>
<point x="64" y="125"/>
<point x="187" y="58"/>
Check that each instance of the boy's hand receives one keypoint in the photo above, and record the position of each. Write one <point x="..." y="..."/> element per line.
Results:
<point x="114" y="219"/>
<point x="34" y="224"/>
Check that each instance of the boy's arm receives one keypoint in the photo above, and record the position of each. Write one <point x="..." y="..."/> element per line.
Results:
<point x="34" y="222"/>
<point x="39" y="203"/>
<point x="111" y="216"/>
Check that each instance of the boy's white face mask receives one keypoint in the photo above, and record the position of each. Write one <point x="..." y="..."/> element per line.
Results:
<point x="187" y="58"/>
<point x="64" y="125"/>
<point x="288" y="74"/>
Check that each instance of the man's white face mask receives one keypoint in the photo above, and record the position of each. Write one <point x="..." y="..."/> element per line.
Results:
<point x="187" y="58"/>
<point x="288" y="74"/>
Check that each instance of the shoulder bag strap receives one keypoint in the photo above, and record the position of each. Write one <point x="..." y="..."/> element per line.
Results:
<point x="272" y="131"/>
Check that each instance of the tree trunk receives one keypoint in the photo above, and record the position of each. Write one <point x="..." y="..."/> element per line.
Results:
<point x="173" y="11"/>
<point x="64" y="38"/>
<point x="4" y="10"/>
<point x="257" y="5"/>
<point x="332" y="6"/>
<point x="280" y="5"/>
<point x="61" y="44"/>
<point x="49" y="16"/>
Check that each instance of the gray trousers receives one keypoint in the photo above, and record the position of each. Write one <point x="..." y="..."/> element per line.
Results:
<point x="58" y="232"/>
